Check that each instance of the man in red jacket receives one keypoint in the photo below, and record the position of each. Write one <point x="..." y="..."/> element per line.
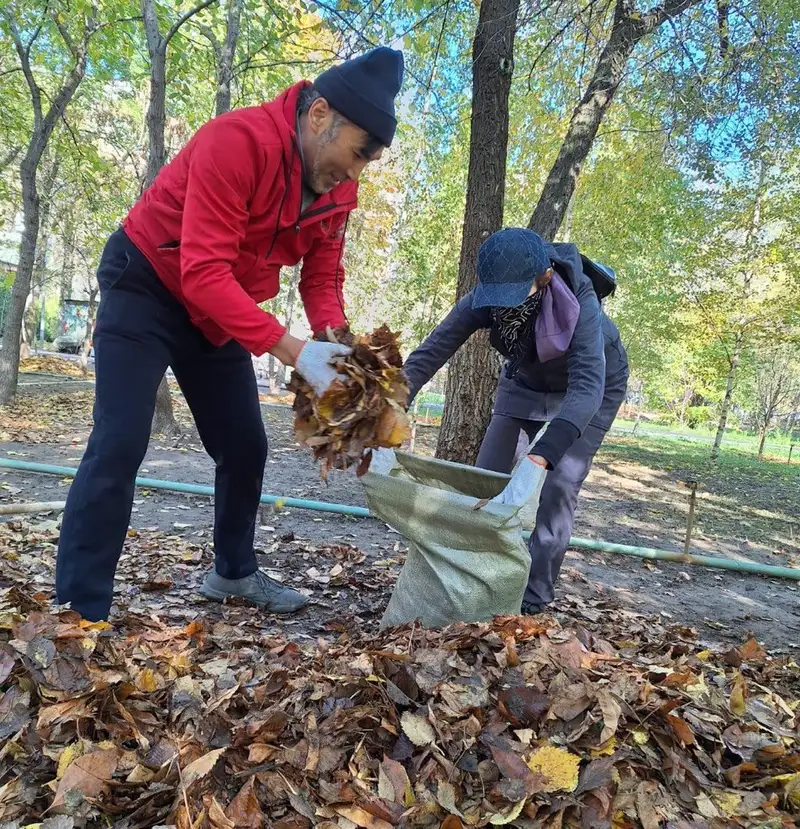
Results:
<point x="180" y="282"/>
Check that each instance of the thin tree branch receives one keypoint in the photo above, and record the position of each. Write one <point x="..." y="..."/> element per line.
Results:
<point x="184" y="17"/>
<point x="65" y="35"/>
<point x="25" y="66"/>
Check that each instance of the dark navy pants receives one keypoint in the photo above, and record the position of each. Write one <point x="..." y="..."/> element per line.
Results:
<point x="141" y="329"/>
<point x="559" y="497"/>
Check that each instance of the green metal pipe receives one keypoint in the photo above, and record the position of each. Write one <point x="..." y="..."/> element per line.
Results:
<point x="361" y="512"/>
<point x="680" y="558"/>
<point x="191" y="489"/>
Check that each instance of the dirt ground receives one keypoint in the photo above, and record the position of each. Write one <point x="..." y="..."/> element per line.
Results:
<point x="347" y="565"/>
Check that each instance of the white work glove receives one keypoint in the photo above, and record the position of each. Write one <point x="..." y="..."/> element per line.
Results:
<point x="314" y="364"/>
<point x="383" y="461"/>
<point x="525" y="484"/>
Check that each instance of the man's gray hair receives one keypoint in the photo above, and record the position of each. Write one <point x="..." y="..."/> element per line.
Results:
<point x="307" y="97"/>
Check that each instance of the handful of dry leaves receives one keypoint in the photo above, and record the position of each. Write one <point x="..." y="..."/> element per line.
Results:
<point x="363" y="412"/>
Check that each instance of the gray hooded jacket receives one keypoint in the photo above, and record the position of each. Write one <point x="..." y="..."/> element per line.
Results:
<point x="569" y="391"/>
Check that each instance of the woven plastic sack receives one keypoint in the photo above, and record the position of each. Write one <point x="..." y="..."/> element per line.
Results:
<point x="463" y="563"/>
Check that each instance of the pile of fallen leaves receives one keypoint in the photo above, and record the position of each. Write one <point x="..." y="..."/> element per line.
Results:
<point x="519" y="721"/>
<point x="54" y="365"/>
<point x="46" y="418"/>
<point x="363" y="412"/>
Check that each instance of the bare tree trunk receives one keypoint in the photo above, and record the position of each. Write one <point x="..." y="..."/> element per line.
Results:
<point x="90" y="320"/>
<point x="726" y="401"/>
<point x="628" y="28"/>
<point x="226" y="56"/>
<point x="473" y="371"/>
<point x="276" y="369"/>
<point x="15" y="311"/>
<point x="752" y="230"/>
<point x="43" y="126"/>
<point x="164" y="416"/>
<point x="762" y="441"/>
<point x="39" y="276"/>
<point x="67" y="261"/>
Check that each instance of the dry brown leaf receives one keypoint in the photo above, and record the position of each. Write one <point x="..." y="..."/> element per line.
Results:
<point x="648" y="815"/>
<point x="362" y="818"/>
<point x="611" y="713"/>
<point x="200" y="767"/>
<point x="88" y="774"/>
<point x="393" y="782"/>
<point x="737" y="700"/>
<point x="751" y="651"/>
<point x="217" y="817"/>
<point x="364" y="411"/>
<point x="683" y="731"/>
<point x="244" y="810"/>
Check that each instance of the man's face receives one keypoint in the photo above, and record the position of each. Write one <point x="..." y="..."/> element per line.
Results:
<point x="333" y="148"/>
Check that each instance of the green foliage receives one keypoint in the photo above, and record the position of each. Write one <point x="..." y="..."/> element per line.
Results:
<point x="666" y="196"/>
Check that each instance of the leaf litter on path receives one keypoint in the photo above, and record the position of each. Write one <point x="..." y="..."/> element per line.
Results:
<point x="198" y="715"/>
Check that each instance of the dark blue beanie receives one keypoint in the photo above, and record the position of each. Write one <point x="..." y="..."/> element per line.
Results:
<point x="363" y="90"/>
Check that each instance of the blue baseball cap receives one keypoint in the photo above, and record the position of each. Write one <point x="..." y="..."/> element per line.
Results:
<point x="508" y="263"/>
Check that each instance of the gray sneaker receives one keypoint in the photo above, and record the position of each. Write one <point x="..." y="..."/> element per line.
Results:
<point x="258" y="588"/>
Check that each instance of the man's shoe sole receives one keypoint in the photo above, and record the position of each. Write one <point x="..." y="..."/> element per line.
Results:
<point x="221" y="596"/>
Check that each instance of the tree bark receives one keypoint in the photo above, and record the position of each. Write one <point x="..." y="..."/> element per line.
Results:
<point x="43" y="126"/>
<point x="473" y="371"/>
<point x="628" y="28"/>
<point x="164" y="416"/>
<point x="226" y="56"/>
<point x="67" y="261"/>
<point x="726" y="400"/>
<point x="39" y="276"/>
<point x="762" y="441"/>
<point x="90" y="320"/>
<point x="747" y="280"/>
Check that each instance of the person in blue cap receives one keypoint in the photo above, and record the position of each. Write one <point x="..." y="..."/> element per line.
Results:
<point x="180" y="285"/>
<point x="564" y="365"/>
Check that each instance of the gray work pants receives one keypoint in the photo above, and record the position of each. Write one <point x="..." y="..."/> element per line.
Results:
<point x="556" y="514"/>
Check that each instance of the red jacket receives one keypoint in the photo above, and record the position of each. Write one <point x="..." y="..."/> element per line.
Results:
<point x="222" y="218"/>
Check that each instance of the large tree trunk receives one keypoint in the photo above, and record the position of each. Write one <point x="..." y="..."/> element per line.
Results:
<point x="473" y="371"/>
<point x="726" y="400"/>
<point x="628" y="28"/>
<point x="15" y="311"/>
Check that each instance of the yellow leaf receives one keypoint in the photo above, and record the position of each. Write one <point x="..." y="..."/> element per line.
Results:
<point x="558" y="765"/>
<point x="736" y="703"/>
<point x="728" y="802"/>
<point x="70" y="753"/>
<point x="147" y="681"/>
<point x="604" y="749"/>
<point x="86" y="625"/>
